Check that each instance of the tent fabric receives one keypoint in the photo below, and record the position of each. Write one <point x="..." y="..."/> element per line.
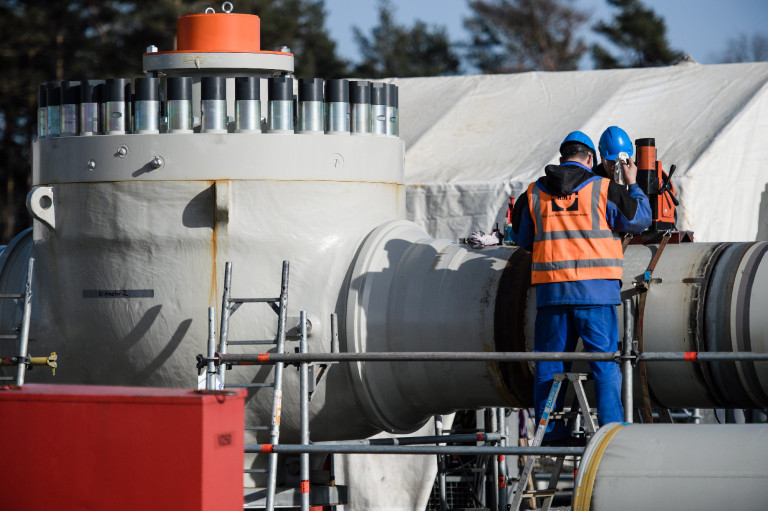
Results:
<point x="472" y="141"/>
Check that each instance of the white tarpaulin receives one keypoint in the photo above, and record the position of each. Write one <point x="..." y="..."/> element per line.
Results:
<point x="471" y="141"/>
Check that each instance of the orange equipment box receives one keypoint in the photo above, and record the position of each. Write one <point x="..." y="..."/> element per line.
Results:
<point x="120" y="448"/>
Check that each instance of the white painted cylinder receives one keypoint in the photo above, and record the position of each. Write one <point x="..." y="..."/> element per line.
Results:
<point x="674" y="466"/>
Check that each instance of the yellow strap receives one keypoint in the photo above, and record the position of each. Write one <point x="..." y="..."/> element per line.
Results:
<point x="582" y="499"/>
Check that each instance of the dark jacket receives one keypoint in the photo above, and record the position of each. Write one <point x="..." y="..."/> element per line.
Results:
<point x="627" y="211"/>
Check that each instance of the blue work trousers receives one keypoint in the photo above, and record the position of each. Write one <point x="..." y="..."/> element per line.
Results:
<point x="558" y="329"/>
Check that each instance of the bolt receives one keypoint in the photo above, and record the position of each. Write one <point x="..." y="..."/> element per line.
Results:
<point x="151" y="48"/>
<point x="156" y="162"/>
<point x="284" y="49"/>
<point x="91" y="164"/>
<point x="122" y="151"/>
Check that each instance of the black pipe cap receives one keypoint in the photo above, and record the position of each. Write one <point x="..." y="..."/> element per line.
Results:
<point x="117" y="89"/>
<point x="179" y="88"/>
<point x="92" y="91"/>
<point x="280" y="88"/>
<point x="360" y="92"/>
<point x="310" y="89"/>
<point x="70" y="93"/>
<point x="394" y="95"/>
<point x="379" y="93"/>
<point x="247" y="87"/>
<point x="42" y="95"/>
<point x="213" y="87"/>
<point x="645" y="142"/>
<point x="54" y="93"/>
<point x="337" y="91"/>
<point x="147" y="89"/>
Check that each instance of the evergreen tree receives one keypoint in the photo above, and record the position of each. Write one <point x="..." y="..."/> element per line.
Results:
<point x="639" y="33"/>
<point x="46" y="41"/>
<point x="396" y="50"/>
<point x="71" y="40"/>
<point x="524" y="35"/>
<point x="299" y="25"/>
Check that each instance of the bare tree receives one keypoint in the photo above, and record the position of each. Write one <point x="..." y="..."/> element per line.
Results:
<point x="745" y="48"/>
<point x="524" y="35"/>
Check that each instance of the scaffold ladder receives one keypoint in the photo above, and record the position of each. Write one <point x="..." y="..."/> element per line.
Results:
<point x="580" y="401"/>
<point x="280" y="305"/>
<point x="21" y="334"/>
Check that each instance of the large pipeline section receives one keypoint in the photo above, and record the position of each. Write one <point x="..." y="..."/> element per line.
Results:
<point x="405" y="291"/>
<point x="413" y="293"/>
<point x="674" y="466"/>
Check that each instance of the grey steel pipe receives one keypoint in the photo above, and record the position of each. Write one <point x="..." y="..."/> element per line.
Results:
<point x="117" y="97"/>
<point x="412" y="449"/>
<point x="469" y="438"/>
<point x="334" y="333"/>
<point x="213" y="104"/>
<point x="146" y="115"/>
<point x="311" y="118"/>
<point x="280" y="115"/>
<point x="70" y="108"/>
<point x="626" y="363"/>
<point x="393" y="114"/>
<point x="277" y="396"/>
<point x="465" y="356"/>
<point x="226" y="311"/>
<point x="53" y="93"/>
<point x="247" y="104"/>
<point x="210" y="374"/>
<point x="91" y="103"/>
<point x="379" y="101"/>
<point x="304" y="409"/>
<point x="21" y="369"/>
<point x="360" y="107"/>
<point x="440" y="464"/>
<point x="42" y="111"/>
<point x="337" y="107"/>
<point x="493" y="426"/>
<point x="179" y="104"/>
<point x="502" y="480"/>
<point x="423" y="356"/>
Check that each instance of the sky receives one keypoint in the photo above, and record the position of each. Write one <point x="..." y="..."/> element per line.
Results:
<point x="700" y="28"/>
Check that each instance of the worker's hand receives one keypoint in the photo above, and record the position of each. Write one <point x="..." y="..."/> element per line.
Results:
<point x="630" y="171"/>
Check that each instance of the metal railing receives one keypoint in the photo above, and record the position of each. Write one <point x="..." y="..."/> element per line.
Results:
<point x="627" y="357"/>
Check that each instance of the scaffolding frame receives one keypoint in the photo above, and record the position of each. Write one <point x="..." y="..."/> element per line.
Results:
<point x="22" y="361"/>
<point x="627" y="357"/>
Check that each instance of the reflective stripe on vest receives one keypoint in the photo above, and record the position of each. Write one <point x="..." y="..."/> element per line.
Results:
<point x="572" y="239"/>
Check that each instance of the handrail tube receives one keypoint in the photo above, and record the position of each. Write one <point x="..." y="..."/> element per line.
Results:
<point x="460" y="438"/>
<point x="412" y="449"/>
<point x="676" y="356"/>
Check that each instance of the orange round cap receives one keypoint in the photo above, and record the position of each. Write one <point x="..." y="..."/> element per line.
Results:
<point x="218" y="32"/>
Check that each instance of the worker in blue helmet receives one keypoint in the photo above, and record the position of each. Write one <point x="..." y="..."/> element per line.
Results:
<point x="570" y="220"/>
<point x="613" y="142"/>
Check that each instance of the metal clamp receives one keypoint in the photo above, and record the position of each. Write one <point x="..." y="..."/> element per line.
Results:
<point x="202" y="362"/>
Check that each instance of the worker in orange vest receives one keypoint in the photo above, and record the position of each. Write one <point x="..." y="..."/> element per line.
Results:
<point x="570" y="220"/>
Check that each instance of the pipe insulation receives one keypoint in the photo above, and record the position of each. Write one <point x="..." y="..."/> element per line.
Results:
<point x="674" y="466"/>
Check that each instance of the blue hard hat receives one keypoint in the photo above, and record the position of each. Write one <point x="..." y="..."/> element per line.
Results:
<point x="613" y="141"/>
<point x="580" y="137"/>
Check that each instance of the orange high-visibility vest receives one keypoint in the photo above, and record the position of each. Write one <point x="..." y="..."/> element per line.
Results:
<point x="572" y="239"/>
